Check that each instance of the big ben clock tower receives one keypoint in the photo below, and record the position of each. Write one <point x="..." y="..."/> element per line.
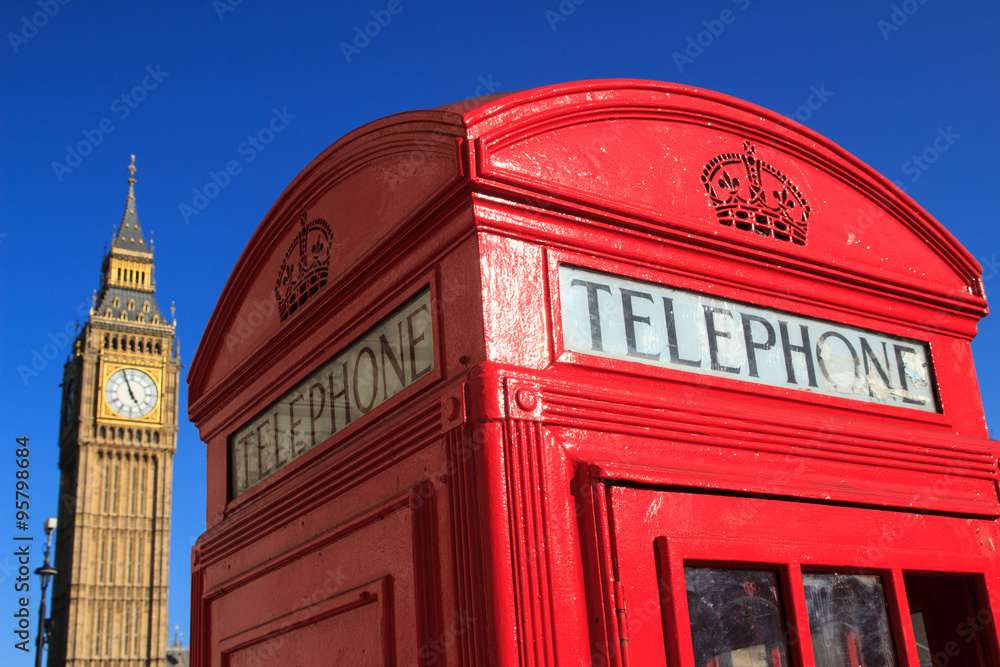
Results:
<point x="116" y="445"/>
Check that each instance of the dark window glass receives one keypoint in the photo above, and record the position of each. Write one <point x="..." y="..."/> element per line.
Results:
<point x="949" y="625"/>
<point x="736" y="617"/>
<point x="848" y="620"/>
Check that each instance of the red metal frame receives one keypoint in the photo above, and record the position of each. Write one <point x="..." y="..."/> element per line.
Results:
<point x="519" y="505"/>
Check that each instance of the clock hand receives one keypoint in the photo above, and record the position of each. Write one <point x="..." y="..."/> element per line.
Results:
<point x="129" y="387"/>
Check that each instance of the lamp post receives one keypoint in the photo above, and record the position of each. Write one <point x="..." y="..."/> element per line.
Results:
<point x="45" y="573"/>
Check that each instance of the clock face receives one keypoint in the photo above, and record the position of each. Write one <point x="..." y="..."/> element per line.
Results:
<point x="131" y="393"/>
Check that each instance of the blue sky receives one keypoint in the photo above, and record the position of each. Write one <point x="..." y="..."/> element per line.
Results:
<point x="184" y="84"/>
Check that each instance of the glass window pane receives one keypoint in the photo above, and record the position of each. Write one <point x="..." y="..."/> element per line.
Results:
<point x="848" y="620"/>
<point x="736" y="617"/>
<point x="952" y="626"/>
<point x="920" y="636"/>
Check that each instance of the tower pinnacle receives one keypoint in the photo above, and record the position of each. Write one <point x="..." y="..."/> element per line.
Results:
<point x="129" y="235"/>
<point x="127" y="291"/>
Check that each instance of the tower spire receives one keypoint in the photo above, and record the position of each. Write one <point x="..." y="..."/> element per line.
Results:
<point x="129" y="235"/>
<point x="127" y="290"/>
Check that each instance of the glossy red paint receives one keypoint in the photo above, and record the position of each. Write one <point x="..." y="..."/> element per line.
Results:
<point x="532" y="502"/>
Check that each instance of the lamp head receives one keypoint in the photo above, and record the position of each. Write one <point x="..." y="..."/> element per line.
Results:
<point x="46" y="572"/>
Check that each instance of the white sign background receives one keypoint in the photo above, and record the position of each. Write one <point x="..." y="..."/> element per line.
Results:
<point x="376" y="366"/>
<point x="618" y="318"/>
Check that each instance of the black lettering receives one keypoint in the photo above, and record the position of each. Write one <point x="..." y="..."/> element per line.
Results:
<point x="593" y="305"/>
<point x="822" y="361"/>
<point x="242" y="443"/>
<point x="631" y="319"/>
<point x="901" y="366"/>
<point x="261" y="471"/>
<point x="868" y="354"/>
<point x="277" y="445"/>
<point x="675" y="357"/>
<point x="293" y="422"/>
<point x="714" y="336"/>
<point x="315" y="414"/>
<point x="752" y="345"/>
<point x="397" y="363"/>
<point x="804" y="349"/>
<point x="334" y="395"/>
<point x="357" y="365"/>
<point x="413" y="347"/>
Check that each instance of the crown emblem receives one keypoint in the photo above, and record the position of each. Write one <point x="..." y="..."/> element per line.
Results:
<point x="754" y="196"/>
<point x="306" y="267"/>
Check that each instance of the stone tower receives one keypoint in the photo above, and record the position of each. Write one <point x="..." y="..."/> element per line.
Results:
<point x="117" y="439"/>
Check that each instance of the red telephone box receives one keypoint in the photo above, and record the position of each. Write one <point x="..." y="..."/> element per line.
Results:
<point x="611" y="372"/>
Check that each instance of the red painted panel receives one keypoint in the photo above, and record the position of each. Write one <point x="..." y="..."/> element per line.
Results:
<point x="514" y="302"/>
<point x="353" y="628"/>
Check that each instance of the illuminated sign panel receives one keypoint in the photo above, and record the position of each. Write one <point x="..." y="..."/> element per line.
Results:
<point x="382" y="362"/>
<point x="620" y="318"/>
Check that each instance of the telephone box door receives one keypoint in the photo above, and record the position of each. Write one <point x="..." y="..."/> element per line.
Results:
<point x="704" y="580"/>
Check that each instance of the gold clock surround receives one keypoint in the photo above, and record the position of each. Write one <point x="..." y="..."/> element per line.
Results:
<point x="108" y="413"/>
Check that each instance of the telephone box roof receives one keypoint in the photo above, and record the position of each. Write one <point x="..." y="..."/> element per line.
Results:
<point x="681" y="164"/>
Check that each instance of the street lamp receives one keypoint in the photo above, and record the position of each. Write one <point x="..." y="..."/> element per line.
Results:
<point x="45" y="573"/>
